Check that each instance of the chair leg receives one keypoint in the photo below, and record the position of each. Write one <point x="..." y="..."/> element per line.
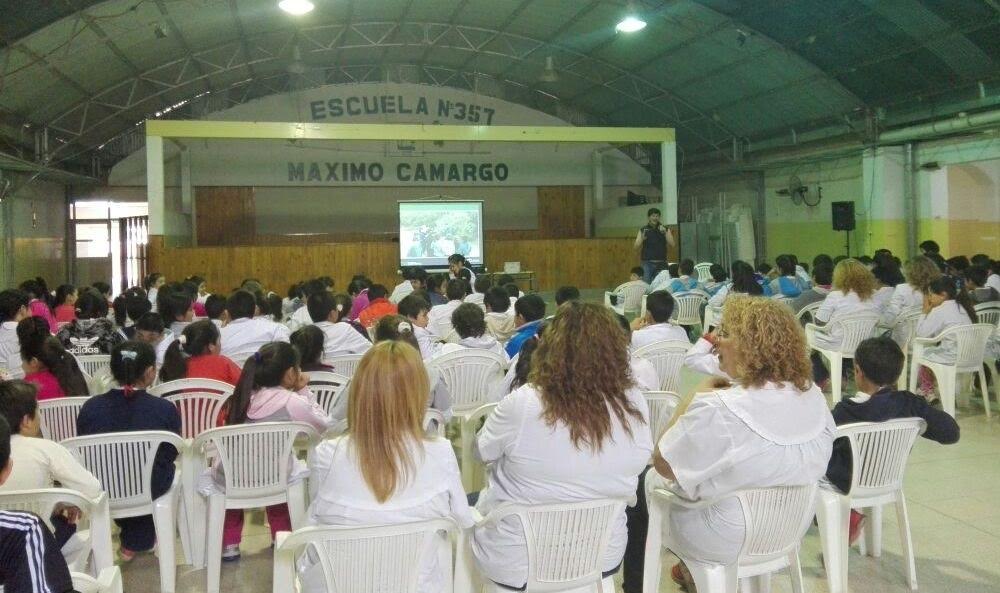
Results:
<point x="714" y="578"/>
<point x="297" y="504"/>
<point x="833" y="513"/>
<point x="836" y="377"/>
<point x="914" y="371"/>
<point x="652" y="561"/>
<point x="985" y="390"/>
<point x="165" y="524"/>
<point x="946" y="386"/>
<point x="213" y="541"/>
<point x="756" y="584"/>
<point x="875" y="523"/>
<point x="903" y="518"/>
<point x="901" y="383"/>
<point x="283" y="579"/>
<point x="468" y="434"/>
<point x="795" y="571"/>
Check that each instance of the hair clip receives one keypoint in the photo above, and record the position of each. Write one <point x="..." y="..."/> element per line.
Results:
<point x="405" y="326"/>
<point x="256" y="357"/>
<point x="182" y="340"/>
<point x="129" y="354"/>
<point x="340" y="307"/>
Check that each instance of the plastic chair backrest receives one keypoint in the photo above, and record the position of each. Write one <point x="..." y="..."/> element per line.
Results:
<point x="566" y="542"/>
<point x="58" y="417"/>
<point x="988" y="313"/>
<point x="879" y="451"/>
<point x="687" y="307"/>
<point x="345" y="364"/>
<point x="198" y="401"/>
<point x="667" y="357"/>
<point x="776" y="520"/>
<point x="704" y="270"/>
<point x="108" y="581"/>
<point x="43" y="500"/>
<point x="970" y="341"/>
<point x="123" y="463"/>
<point x="856" y="328"/>
<point x="713" y="315"/>
<point x="255" y="457"/>
<point x="809" y="310"/>
<point x="469" y="375"/>
<point x="94" y="364"/>
<point x="328" y="388"/>
<point x="366" y="559"/>
<point x="662" y="405"/>
<point x="630" y="296"/>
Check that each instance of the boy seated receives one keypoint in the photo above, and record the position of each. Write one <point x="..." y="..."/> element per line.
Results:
<point x="975" y="284"/>
<point x="628" y="294"/>
<point x="528" y="313"/>
<point x="655" y="325"/>
<point x="685" y="282"/>
<point x="469" y="322"/>
<point x="661" y="280"/>
<point x="719" y="278"/>
<point x="877" y="365"/>
<point x="499" y="321"/>
<point x="416" y="308"/>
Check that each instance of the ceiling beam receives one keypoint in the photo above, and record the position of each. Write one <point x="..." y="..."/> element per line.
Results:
<point x="555" y="35"/>
<point x="181" y="41"/>
<point x="500" y="30"/>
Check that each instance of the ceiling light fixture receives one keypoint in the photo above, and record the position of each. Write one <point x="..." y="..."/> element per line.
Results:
<point x="296" y="7"/>
<point x="549" y="74"/>
<point x="632" y="21"/>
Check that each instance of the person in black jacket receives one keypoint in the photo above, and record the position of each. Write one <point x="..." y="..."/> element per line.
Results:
<point x="878" y="363"/>
<point x="30" y="559"/>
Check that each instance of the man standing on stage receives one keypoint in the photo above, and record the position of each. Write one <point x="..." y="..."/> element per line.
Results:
<point x="653" y="239"/>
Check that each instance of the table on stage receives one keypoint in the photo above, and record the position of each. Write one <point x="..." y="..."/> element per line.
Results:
<point x="518" y="277"/>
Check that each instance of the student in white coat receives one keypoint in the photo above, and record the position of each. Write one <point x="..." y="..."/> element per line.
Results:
<point x="655" y="325"/>
<point x="469" y="322"/>
<point x="439" y="318"/>
<point x="945" y="306"/>
<point x="414" y="278"/>
<point x="385" y="470"/>
<point x="415" y="309"/>
<point x="919" y="273"/>
<point x="853" y="288"/>
<point x="244" y="334"/>
<point x="772" y="427"/>
<point x="329" y="314"/>
<point x="570" y="434"/>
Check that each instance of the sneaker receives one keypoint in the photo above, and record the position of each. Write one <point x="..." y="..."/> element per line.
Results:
<point x="857" y="525"/>
<point x="125" y="555"/>
<point x="231" y="553"/>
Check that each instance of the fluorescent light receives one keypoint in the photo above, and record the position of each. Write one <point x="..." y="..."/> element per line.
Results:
<point x="296" y="7"/>
<point x="630" y="24"/>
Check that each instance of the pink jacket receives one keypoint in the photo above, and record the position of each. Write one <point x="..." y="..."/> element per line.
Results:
<point x="277" y="404"/>
<point x="38" y="308"/>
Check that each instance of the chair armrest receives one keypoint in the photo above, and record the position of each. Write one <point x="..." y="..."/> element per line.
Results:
<point x="480" y="412"/>
<point x="925" y="341"/>
<point x="672" y="498"/>
<point x="110" y="580"/>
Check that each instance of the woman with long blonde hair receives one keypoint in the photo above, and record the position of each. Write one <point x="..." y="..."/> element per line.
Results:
<point x="577" y="430"/>
<point x="920" y="272"/>
<point x="854" y="285"/>
<point x="384" y="470"/>
<point x="771" y="427"/>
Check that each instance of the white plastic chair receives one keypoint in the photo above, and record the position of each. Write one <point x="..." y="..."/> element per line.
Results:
<point x="662" y="405"/>
<point x="687" y="307"/>
<point x="807" y="312"/>
<point x="328" y="388"/>
<point x="566" y="542"/>
<point x="667" y="357"/>
<point x="712" y="317"/>
<point x="345" y="364"/>
<point x="108" y="581"/>
<point x="879" y="451"/>
<point x="970" y="353"/>
<point x="58" y="417"/>
<point x="629" y="298"/>
<point x="96" y="514"/>
<point x="360" y="559"/>
<point x="94" y="364"/>
<point x="470" y="376"/>
<point x="776" y="520"/>
<point x="906" y="325"/>
<point x="256" y="460"/>
<point x="853" y="328"/>
<point x="988" y="313"/>
<point x="704" y="270"/>
<point x="199" y="402"/>
<point x="123" y="463"/>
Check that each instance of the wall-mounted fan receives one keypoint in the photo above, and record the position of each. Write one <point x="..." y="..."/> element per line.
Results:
<point x="799" y="192"/>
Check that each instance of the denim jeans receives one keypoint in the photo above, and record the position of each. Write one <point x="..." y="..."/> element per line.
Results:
<point x="649" y="269"/>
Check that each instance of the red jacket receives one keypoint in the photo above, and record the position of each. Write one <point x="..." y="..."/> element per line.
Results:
<point x="376" y="310"/>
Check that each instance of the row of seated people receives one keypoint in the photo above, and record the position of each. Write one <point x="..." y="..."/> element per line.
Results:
<point x="574" y="427"/>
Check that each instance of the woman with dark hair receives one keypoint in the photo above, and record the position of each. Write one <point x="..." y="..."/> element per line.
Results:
<point x="945" y="306"/>
<point x="195" y="354"/>
<point x="65" y="309"/>
<point x="129" y="408"/>
<point x="357" y="289"/>
<point x="272" y="388"/>
<point x="39" y="304"/>
<point x="91" y="332"/>
<point x="744" y="281"/>
<point x="47" y="364"/>
<point x="578" y="430"/>
<point x="309" y="341"/>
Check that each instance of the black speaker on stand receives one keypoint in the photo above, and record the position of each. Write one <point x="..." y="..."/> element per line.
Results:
<point x="843" y="219"/>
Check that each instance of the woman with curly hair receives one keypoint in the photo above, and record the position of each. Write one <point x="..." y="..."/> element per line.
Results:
<point x="771" y="427"/>
<point x="919" y="272"/>
<point x="578" y="430"/>
<point x="854" y="287"/>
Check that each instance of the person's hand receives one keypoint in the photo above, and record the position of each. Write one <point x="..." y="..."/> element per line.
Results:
<point x="68" y="512"/>
<point x="639" y="323"/>
<point x="711" y="338"/>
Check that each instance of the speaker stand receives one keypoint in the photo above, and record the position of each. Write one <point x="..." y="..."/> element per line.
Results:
<point x="848" y="233"/>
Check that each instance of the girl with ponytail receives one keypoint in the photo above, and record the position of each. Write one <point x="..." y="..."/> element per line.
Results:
<point x="47" y="364"/>
<point x="130" y="409"/>
<point x="195" y="355"/>
<point x="946" y="304"/>
<point x="272" y="388"/>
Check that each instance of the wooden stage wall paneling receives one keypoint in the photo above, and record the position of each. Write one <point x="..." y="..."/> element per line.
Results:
<point x="225" y="215"/>
<point x="586" y="263"/>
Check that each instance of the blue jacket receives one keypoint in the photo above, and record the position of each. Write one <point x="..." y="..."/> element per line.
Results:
<point x="522" y="335"/>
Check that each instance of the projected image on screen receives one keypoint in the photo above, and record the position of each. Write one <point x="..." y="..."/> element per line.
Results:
<point x="431" y="231"/>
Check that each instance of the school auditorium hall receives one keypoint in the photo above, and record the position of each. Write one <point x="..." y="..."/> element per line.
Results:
<point x="479" y="296"/>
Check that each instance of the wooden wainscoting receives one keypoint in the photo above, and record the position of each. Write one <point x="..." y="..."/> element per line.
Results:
<point x="586" y="263"/>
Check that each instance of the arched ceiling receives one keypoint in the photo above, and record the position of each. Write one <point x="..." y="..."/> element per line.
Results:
<point x="717" y="70"/>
